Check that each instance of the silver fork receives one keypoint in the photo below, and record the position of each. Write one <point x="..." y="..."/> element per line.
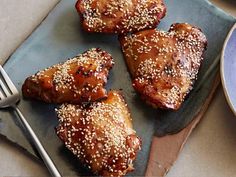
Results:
<point x="9" y="97"/>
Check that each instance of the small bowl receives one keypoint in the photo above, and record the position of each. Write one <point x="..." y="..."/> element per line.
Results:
<point x="228" y="68"/>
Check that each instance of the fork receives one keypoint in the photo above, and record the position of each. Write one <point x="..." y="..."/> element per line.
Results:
<point x="9" y="97"/>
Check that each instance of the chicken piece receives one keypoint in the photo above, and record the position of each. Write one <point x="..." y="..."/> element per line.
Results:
<point x="100" y="135"/>
<point x="79" y="79"/>
<point x="164" y="65"/>
<point x="120" y="16"/>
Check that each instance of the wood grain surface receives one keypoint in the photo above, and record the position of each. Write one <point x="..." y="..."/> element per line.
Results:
<point x="165" y="150"/>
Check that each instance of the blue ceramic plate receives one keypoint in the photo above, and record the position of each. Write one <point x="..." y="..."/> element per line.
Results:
<point x="228" y="68"/>
<point x="60" y="36"/>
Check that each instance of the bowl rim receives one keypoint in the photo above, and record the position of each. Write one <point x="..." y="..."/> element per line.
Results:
<point x="222" y="69"/>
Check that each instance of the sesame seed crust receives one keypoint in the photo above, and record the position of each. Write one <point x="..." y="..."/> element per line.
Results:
<point x="120" y="16"/>
<point x="164" y="65"/>
<point x="100" y="135"/>
<point x="79" y="79"/>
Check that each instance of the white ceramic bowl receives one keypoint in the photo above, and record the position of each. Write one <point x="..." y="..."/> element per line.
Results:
<point x="228" y="68"/>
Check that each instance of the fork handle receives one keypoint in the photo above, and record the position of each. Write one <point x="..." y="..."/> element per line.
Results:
<point x="46" y="159"/>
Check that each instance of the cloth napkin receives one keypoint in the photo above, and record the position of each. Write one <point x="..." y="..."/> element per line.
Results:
<point x="17" y="21"/>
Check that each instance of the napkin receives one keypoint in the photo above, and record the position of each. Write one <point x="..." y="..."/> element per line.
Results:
<point x="17" y="21"/>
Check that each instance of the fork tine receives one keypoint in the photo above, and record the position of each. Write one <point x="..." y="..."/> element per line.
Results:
<point x="4" y="88"/>
<point x="10" y="84"/>
<point x="1" y="95"/>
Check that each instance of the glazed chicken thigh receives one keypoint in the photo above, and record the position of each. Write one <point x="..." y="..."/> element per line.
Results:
<point x="120" y="16"/>
<point x="100" y="135"/>
<point x="79" y="79"/>
<point x="164" y="65"/>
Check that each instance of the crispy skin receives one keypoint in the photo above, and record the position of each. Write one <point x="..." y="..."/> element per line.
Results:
<point x="120" y="16"/>
<point x="80" y="79"/>
<point x="100" y="135"/>
<point x="164" y="65"/>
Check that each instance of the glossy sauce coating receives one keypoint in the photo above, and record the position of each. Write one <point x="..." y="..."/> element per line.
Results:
<point x="100" y="135"/>
<point x="164" y="65"/>
<point x="79" y="79"/>
<point x="120" y="16"/>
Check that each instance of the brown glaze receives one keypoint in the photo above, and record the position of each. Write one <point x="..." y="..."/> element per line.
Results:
<point x="164" y="65"/>
<point x="80" y="79"/>
<point x="120" y="16"/>
<point x="100" y="135"/>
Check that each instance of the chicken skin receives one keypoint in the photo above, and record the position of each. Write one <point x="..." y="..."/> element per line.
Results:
<point x="120" y="16"/>
<point x="79" y="79"/>
<point x="100" y="135"/>
<point x="164" y="65"/>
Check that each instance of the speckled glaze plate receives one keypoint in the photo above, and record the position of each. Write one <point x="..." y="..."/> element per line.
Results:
<point x="228" y="68"/>
<point x="60" y="37"/>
